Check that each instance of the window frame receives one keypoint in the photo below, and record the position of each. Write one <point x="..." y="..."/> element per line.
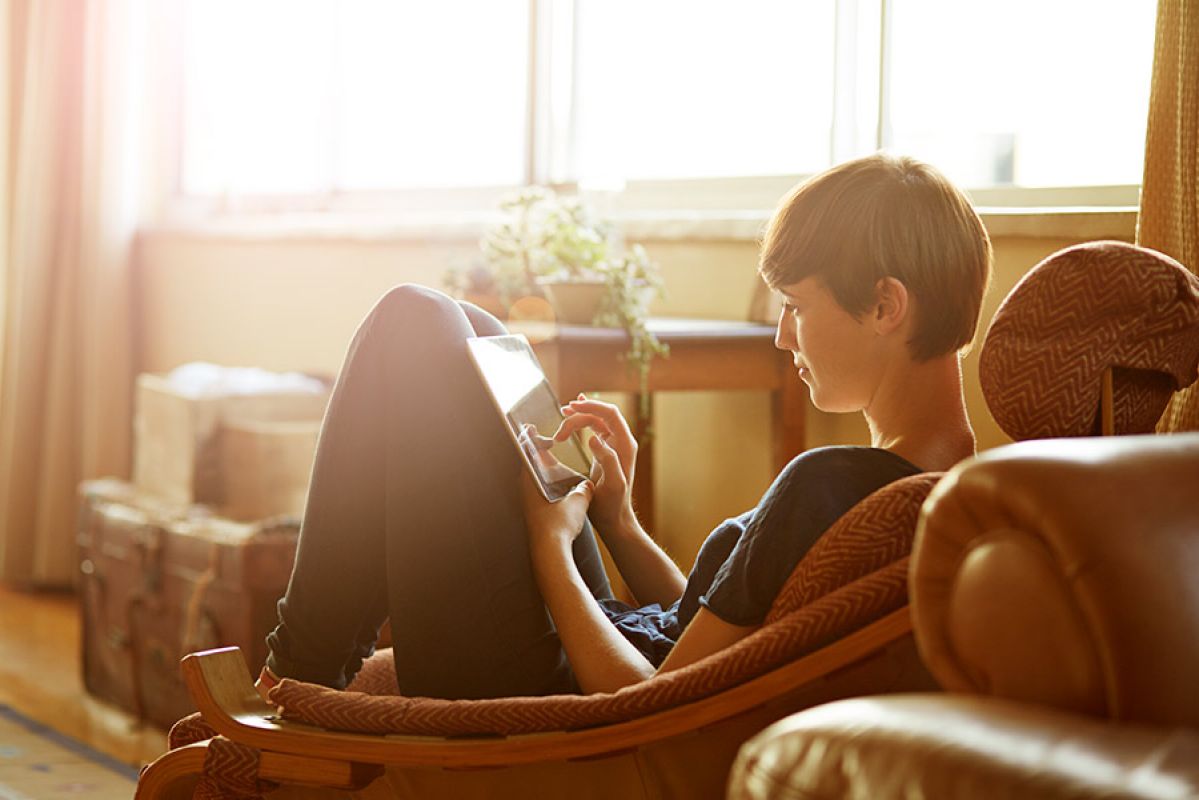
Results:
<point x="860" y="100"/>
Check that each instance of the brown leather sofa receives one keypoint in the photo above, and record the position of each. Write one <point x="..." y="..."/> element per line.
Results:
<point x="1055" y="596"/>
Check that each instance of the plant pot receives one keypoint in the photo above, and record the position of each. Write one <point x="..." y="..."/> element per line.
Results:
<point x="575" y="302"/>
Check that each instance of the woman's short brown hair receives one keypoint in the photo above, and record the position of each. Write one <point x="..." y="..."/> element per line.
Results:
<point x="886" y="216"/>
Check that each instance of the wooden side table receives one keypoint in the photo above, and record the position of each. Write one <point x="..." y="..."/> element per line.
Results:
<point x="705" y="355"/>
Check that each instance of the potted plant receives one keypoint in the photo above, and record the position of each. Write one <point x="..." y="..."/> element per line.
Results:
<point x="548" y="246"/>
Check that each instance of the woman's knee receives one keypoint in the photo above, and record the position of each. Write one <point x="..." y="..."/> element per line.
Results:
<point x="411" y="301"/>
<point x="414" y="317"/>
<point x="411" y="312"/>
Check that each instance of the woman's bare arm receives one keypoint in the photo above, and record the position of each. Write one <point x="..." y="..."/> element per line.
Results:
<point x="651" y="574"/>
<point x="602" y="659"/>
<point x="704" y="635"/>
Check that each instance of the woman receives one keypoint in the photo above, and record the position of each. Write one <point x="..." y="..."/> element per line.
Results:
<point x="419" y="509"/>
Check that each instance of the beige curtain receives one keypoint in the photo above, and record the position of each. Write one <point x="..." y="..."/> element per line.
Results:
<point x="1169" y="218"/>
<point x="68" y="204"/>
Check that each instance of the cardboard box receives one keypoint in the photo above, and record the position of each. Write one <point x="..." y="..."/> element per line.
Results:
<point x="265" y="468"/>
<point x="245" y="454"/>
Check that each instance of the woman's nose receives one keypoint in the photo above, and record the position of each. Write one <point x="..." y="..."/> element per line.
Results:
<point x="784" y="334"/>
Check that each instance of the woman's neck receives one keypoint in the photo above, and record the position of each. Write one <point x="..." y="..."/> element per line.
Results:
<point x="919" y="413"/>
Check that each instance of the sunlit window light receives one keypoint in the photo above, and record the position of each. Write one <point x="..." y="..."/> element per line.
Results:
<point x="328" y="97"/>
<point x="309" y="96"/>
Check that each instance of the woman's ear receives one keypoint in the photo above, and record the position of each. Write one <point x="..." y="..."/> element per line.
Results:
<point x="892" y="305"/>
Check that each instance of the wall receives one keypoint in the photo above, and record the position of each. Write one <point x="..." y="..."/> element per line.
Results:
<point x="293" y="302"/>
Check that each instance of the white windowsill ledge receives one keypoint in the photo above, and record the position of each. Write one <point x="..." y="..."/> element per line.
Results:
<point x="1087" y="223"/>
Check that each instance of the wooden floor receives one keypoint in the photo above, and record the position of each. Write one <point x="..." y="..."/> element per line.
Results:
<point x="40" y="677"/>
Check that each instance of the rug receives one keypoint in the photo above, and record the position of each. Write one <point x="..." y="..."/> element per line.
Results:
<point x="37" y="763"/>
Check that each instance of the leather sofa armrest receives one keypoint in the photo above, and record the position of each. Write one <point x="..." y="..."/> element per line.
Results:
<point x="934" y="746"/>
<point x="1062" y="573"/>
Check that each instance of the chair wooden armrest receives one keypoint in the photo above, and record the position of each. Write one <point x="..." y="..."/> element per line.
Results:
<point x="173" y="776"/>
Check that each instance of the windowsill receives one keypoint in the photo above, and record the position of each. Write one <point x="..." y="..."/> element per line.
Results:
<point x="1089" y="223"/>
<point x="1083" y="223"/>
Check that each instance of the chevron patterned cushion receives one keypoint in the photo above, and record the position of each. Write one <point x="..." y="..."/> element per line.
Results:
<point x="378" y="674"/>
<point x="230" y="773"/>
<point x="802" y="631"/>
<point x="189" y="730"/>
<point x="872" y="534"/>
<point x="1076" y="313"/>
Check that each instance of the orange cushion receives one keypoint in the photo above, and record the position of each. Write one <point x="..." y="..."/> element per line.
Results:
<point x="1078" y="312"/>
<point x="875" y="532"/>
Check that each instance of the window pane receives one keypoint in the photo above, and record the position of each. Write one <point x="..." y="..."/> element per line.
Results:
<point x="254" y="76"/>
<point x="299" y="96"/>
<point x="432" y="94"/>
<point x="679" y="88"/>
<point x="1023" y="92"/>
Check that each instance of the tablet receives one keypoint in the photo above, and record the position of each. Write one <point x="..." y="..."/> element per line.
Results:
<point x="531" y="413"/>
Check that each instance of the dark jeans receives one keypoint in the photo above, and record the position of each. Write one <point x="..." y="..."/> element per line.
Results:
<point x="414" y="514"/>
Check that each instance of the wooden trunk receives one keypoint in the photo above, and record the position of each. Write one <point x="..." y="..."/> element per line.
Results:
<point x="161" y="580"/>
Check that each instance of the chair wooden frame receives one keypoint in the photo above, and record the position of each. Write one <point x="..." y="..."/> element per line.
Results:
<point x="294" y="753"/>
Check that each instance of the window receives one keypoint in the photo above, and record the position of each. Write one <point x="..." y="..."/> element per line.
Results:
<point x="349" y="98"/>
<point x="680" y="89"/>
<point x="1024" y="92"/>
<point x="314" y="96"/>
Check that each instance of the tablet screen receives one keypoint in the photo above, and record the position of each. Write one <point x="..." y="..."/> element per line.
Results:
<point x="525" y="400"/>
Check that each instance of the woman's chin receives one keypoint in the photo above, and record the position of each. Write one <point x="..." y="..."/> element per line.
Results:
<point x="816" y="399"/>
<point x="830" y="405"/>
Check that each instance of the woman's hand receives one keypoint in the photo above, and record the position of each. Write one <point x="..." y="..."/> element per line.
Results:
<point x="553" y="523"/>
<point x="647" y="570"/>
<point x="615" y="453"/>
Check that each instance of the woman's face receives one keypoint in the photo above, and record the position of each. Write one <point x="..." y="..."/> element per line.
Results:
<point x="836" y="354"/>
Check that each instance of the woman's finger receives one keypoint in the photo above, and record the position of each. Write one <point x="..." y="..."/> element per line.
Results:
<point x="584" y="488"/>
<point x="622" y="438"/>
<point x="609" y="413"/>
<point x="608" y="460"/>
<point x="577" y="422"/>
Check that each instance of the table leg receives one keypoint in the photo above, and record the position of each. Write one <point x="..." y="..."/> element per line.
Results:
<point x="789" y="406"/>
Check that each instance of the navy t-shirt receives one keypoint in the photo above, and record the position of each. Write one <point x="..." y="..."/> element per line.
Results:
<point x="745" y="561"/>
